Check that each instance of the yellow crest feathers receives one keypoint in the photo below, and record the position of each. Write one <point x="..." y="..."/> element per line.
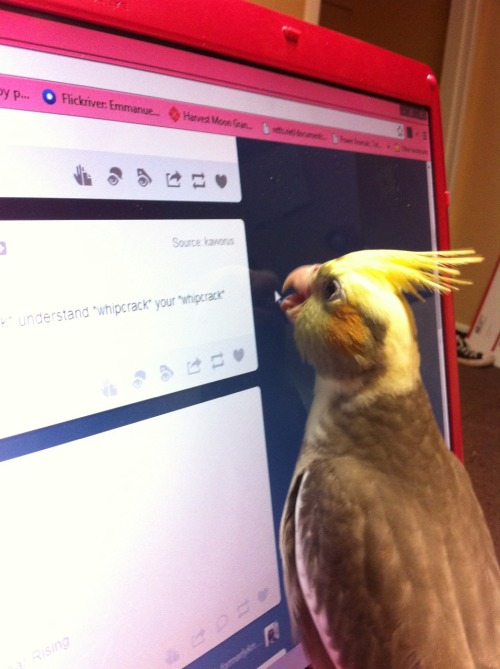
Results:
<point x="410" y="271"/>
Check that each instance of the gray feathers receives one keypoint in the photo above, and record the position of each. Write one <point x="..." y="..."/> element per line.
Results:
<point x="395" y="545"/>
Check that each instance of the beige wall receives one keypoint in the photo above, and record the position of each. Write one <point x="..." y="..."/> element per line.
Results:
<point x="290" y="7"/>
<point x="414" y="28"/>
<point x="475" y="204"/>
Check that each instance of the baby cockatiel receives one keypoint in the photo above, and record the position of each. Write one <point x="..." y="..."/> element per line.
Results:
<point x="387" y="558"/>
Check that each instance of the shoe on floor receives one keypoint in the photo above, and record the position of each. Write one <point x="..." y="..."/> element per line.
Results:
<point x="466" y="356"/>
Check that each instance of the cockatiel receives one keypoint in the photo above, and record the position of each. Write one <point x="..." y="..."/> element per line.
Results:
<point x="387" y="559"/>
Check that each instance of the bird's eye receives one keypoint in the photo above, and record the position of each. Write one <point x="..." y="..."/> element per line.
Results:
<point x="333" y="290"/>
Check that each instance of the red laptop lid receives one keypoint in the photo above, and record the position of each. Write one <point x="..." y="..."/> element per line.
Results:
<point x="164" y="167"/>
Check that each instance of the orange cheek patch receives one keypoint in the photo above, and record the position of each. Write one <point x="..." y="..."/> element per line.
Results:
<point x="347" y="331"/>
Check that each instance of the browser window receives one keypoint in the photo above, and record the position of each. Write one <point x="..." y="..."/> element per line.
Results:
<point x="153" y="403"/>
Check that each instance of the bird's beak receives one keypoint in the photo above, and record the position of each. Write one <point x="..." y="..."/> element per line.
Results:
<point x="300" y="281"/>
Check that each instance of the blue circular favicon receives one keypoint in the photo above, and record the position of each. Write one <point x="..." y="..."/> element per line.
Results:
<point x="49" y="96"/>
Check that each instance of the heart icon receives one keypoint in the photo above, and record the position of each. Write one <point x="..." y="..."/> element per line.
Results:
<point x="238" y="354"/>
<point x="221" y="180"/>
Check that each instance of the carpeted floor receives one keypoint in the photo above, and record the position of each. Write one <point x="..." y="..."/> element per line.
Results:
<point x="480" y="402"/>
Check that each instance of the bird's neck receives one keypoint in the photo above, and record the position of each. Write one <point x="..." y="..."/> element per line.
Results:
<point x="397" y="433"/>
<point x="357" y="393"/>
<point x="395" y="373"/>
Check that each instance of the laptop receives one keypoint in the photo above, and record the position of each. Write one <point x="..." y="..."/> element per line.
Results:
<point x="164" y="167"/>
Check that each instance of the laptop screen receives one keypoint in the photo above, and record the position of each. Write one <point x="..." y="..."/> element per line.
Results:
<point x="153" y="199"/>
